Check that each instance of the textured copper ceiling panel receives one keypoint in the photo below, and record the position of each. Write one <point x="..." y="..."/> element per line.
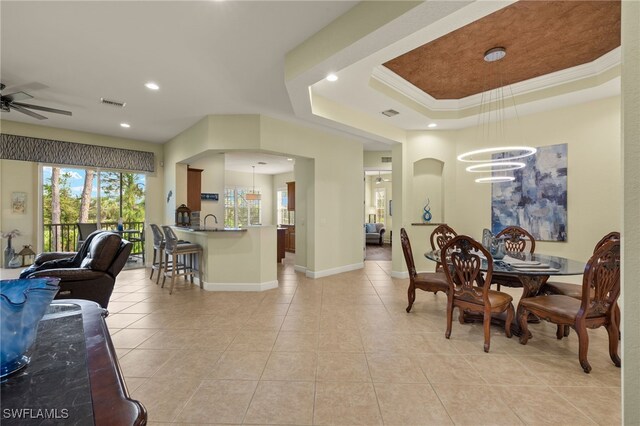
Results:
<point x="540" y="37"/>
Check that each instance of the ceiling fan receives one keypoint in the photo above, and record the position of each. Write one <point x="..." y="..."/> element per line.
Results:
<point x="10" y="102"/>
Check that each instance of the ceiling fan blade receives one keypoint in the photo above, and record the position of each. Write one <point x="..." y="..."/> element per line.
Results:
<point x="17" y="96"/>
<point x="41" y="108"/>
<point x="26" y="111"/>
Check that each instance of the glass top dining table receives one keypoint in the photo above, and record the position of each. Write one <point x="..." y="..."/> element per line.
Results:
<point x="531" y="269"/>
<point x="532" y="264"/>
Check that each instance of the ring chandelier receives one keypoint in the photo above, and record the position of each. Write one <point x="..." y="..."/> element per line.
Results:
<point x="468" y="157"/>
<point x="496" y="166"/>
<point x="495" y="179"/>
<point x="483" y="157"/>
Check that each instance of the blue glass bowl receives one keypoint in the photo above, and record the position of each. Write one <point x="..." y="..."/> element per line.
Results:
<point x="22" y="304"/>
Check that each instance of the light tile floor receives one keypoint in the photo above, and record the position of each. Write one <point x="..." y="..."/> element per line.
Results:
<point x="342" y="350"/>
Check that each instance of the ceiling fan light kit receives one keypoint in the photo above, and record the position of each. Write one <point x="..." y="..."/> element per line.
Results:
<point x="9" y="103"/>
<point x="484" y="157"/>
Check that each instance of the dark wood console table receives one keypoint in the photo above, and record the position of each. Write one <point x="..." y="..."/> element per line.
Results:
<point x="74" y="377"/>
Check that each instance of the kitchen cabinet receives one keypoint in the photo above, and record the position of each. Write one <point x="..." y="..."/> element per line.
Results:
<point x="289" y="238"/>
<point x="282" y="235"/>
<point x="291" y="196"/>
<point x="194" y="188"/>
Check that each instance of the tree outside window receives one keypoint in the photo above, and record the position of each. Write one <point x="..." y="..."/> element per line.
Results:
<point x="238" y="211"/>
<point x="72" y="195"/>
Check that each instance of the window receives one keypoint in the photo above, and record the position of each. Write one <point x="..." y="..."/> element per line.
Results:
<point x="238" y="211"/>
<point x="284" y="215"/>
<point x="381" y="204"/>
<point x="72" y="195"/>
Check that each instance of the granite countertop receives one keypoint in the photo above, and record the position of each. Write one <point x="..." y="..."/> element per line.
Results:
<point x="198" y="229"/>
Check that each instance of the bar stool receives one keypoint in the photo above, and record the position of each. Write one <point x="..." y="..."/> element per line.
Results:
<point x="175" y="250"/>
<point x="158" y="251"/>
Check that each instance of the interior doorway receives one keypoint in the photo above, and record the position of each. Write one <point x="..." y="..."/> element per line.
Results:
<point x="378" y="214"/>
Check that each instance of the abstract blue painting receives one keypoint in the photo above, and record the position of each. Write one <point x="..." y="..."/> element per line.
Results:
<point x="537" y="199"/>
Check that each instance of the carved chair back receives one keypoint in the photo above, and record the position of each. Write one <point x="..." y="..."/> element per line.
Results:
<point x="439" y="238"/>
<point x="408" y="253"/>
<point x="463" y="255"/>
<point x="609" y="237"/>
<point x="517" y="239"/>
<point x="601" y="280"/>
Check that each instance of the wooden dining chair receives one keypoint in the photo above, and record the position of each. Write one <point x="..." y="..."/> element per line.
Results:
<point x="575" y="290"/>
<point x="596" y="307"/>
<point x="427" y="281"/>
<point x="439" y="238"/>
<point x="467" y="289"/>
<point x="516" y="240"/>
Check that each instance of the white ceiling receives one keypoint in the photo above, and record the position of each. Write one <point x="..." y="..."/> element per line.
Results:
<point x="208" y="58"/>
<point x="241" y="161"/>
<point x="215" y="57"/>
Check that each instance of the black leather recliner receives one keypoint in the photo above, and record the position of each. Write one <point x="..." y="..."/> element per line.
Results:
<point x="90" y="273"/>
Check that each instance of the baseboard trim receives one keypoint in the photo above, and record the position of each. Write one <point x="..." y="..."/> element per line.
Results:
<point x="334" y="271"/>
<point x="241" y="286"/>
<point x="399" y="274"/>
<point x="299" y="268"/>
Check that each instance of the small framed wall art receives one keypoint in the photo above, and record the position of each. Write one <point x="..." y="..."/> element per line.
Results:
<point x="19" y="202"/>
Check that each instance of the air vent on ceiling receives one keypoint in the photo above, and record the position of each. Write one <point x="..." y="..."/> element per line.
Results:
<point x="385" y="159"/>
<point x="390" y="112"/>
<point x="112" y="103"/>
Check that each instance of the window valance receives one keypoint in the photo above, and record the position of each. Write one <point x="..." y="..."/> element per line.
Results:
<point x="25" y="148"/>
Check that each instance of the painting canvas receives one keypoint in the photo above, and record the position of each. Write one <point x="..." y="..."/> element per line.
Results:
<point x="537" y="199"/>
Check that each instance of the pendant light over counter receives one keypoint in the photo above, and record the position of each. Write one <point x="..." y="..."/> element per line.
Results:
<point x="253" y="196"/>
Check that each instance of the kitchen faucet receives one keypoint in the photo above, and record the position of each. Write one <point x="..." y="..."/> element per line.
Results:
<point x="205" y="219"/>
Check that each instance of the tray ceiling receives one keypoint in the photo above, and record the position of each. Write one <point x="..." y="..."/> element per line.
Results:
<point x="541" y="37"/>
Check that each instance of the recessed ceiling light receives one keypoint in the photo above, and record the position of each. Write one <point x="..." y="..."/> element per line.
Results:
<point x="289" y="159"/>
<point x="332" y="77"/>
<point x="125" y="125"/>
<point x="151" y="85"/>
<point x="432" y="125"/>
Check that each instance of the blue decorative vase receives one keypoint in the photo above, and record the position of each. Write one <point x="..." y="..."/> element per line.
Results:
<point x="426" y="216"/>
<point x="22" y="304"/>
<point x="8" y="255"/>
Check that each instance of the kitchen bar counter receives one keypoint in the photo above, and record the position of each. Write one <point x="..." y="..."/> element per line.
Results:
<point x="236" y="259"/>
<point x="195" y="229"/>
